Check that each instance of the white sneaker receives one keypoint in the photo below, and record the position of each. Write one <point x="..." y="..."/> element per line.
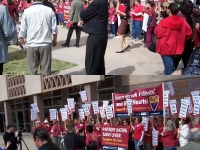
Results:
<point x="110" y="35"/>
<point x="58" y="26"/>
<point x="62" y="26"/>
<point x="117" y="37"/>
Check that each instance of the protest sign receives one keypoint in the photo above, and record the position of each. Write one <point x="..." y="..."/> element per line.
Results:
<point x="196" y="100"/>
<point x="33" y="114"/>
<point x="109" y="112"/>
<point x="83" y="95"/>
<point x="70" y="103"/>
<point x="64" y="114"/>
<point x="171" y="88"/>
<point x="173" y="106"/>
<point x="95" y="106"/>
<point x="35" y="106"/>
<point x="102" y="112"/>
<point x="146" y="102"/>
<point x="145" y="21"/>
<point x="129" y="106"/>
<point x="166" y="99"/>
<point x="154" y="138"/>
<point x="53" y="114"/>
<point x="190" y="105"/>
<point x="183" y="109"/>
<point x="86" y="109"/>
<point x="167" y="113"/>
<point x="68" y="110"/>
<point x="145" y="123"/>
<point x="115" y="136"/>
<point x="81" y="114"/>
<point x="105" y="104"/>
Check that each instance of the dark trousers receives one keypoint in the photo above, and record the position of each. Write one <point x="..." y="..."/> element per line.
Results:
<point x="95" y="51"/>
<point x="188" y="49"/>
<point x="160" y="146"/>
<point x="57" y="19"/>
<point x="70" y="32"/>
<point x="1" y="68"/>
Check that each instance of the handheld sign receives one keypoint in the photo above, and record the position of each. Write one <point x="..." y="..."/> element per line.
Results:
<point x="102" y="112"/>
<point x="154" y="138"/>
<point x="183" y="109"/>
<point x="83" y="95"/>
<point x="129" y="106"/>
<point x="145" y="123"/>
<point x="166" y="99"/>
<point x="105" y="104"/>
<point x="173" y="107"/>
<point x="196" y="105"/>
<point x="171" y="88"/>
<point x="81" y="114"/>
<point x="86" y="110"/>
<point x="53" y="114"/>
<point x="70" y="103"/>
<point x="35" y="106"/>
<point x="109" y="112"/>
<point x="33" y="114"/>
<point x="95" y="106"/>
<point x="64" y="114"/>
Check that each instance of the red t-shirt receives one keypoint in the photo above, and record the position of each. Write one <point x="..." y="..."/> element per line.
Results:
<point x="90" y="138"/>
<point x="138" y="131"/>
<point x="80" y="126"/>
<point x="198" y="126"/>
<point x="97" y="129"/>
<point x="129" y="133"/>
<point x="148" y="139"/>
<point x="160" y="130"/>
<point x="48" y="128"/>
<point x="13" y="11"/>
<point x="37" y="127"/>
<point x="55" y="131"/>
<point x="169" y="139"/>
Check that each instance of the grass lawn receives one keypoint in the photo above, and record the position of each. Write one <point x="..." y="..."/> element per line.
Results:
<point x="17" y="63"/>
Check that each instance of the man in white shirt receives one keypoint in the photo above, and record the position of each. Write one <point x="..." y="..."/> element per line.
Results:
<point x="37" y="26"/>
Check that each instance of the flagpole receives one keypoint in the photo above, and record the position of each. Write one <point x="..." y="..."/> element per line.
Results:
<point x="164" y="117"/>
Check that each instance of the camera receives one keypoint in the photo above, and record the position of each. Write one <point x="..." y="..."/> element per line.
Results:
<point x="20" y="133"/>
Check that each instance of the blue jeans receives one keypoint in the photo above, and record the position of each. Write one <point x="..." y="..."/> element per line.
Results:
<point x="60" y="17"/>
<point x="112" y="28"/>
<point x="168" y="62"/>
<point x="137" y="146"/>
<point x="136" y="29"/>
<point x="170" y="148"/>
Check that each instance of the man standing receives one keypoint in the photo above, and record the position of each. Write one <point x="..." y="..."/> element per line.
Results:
<point x="75" y="10"/>
<point x="11" y="137"/>
<point x="95" y="19"/>
<point x="37" y="25"/>
<point x="7" y="31"/>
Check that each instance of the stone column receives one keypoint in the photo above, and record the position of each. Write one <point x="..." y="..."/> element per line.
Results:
<point x="8" y="113"/>
<point x="118" y="84"/>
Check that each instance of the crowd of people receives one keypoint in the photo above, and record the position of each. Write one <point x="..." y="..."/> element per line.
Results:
<point x="171" y="29"/>
<point x="176" y="133"/>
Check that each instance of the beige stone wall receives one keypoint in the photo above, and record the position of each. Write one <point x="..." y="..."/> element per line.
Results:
<point x="3" y="88"/>
<point x="82" y="79"/>
<point x="33" y="84"/>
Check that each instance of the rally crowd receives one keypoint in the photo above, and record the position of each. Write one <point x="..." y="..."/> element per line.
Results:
<point x="170" y="29"/>
<point x="176" y="133"/>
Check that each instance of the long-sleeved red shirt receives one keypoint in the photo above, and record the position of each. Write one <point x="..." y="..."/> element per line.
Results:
<point x="13" y="11"/>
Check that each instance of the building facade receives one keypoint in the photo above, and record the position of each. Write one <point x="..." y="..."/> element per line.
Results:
<point x="18" y="92"/>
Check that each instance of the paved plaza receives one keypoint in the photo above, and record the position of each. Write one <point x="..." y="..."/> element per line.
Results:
<point x="137" y="61"/>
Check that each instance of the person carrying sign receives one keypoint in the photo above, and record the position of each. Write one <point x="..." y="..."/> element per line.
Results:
<point x="91" y="139"/>
<point x="56" y="132"/>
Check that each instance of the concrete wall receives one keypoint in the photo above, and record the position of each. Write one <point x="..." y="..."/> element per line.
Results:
<point x="33" y="84"/>
<point x="3" y="88"/>
<point x="82" y="79"/>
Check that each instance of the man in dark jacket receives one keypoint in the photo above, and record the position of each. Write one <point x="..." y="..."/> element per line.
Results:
<point x="72" y="140"/>
<point x="10" y="136"/>
<point x="95" y="20"/>
<point x="49" y="4"/>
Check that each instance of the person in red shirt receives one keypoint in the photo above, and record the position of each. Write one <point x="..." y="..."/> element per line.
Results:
<point x="138" y="132"/>
<point x="169" y="136"/>
<point x="85" y="5"/>
<point x="159" y="128"/>
<point x="55" y="132"/>
<point x="47" y="126"/>
<point x="91" y="137"/>
<point x="38" y="125"/>
<point x="60" y="13"/>
<point x="167" y="32"/>
<point x="13" y="10"/>
<point x="97" y="127"/>
<point x="197" y="123"/>
<point x="148" y="137"/>
<point x="127" y="124"/>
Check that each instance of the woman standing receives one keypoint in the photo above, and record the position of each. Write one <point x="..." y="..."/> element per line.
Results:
<point x="137" y="20"/>
<point x="138" y="132"/>
<point x="124" y="22"/>
<point x="12" y="8"/>
<point x="183" y="132"/>
<point x="60" y="13"/>
<point x="55" y="133"/>
<point x="169" y="136"/>
<point x="167" y="32"/>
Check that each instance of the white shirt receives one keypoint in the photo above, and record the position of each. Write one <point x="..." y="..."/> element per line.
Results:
<point x="37" y="25"/>
<point x="183" y="139"/>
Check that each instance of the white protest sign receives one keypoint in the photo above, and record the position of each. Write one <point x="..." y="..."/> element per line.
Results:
<point x="53" y="114"/>
<point x="86" y="109"/>
<point x="154" y="138"/>
<point x="167" y="113"/>
<point x="35" y="106"/>
<point x="173" y="107"/>
<point x="102" y="112"/>
<point x="190" y="108"/>
<point x="68" y="110"/>
<point x="145" y="123"/>
<point x="183" y="109"/>
<point x="171" y="88"/>
<point x="83" y="95"/>
<point x="145" y="20"/>
<point x="64" y="114"/>
<point x="95" y="106"/>
<point x="129" y="104"/>
<point x="196" y="100"/>
<point x="89" y="106"/>
<point x="105" y="104"/>
<point x="109" y="112"/>
<point x="33" y="114"/>
<point x="166" y="99"/>
<point x="70" y="103"/>
<point x="81" y="114"/>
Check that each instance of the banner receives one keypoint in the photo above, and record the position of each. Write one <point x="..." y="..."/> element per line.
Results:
<point x="70" y="103"/>
<point x="129" y="106"/>
<point x="33" y="114"/>
<point x="95" y="106"/>
<point x="64" y="114"/>
<point x="109" y="112"/>
<point x="53" y="114"/>
<point x="173" y="106"/>
<point x="86" y="109"/>
<point x="171" y="88"/>
<point x="102" y="112"/>
<point x="81" y="114"/>
<point x="166" y="99"/>
<point x="66" y="11"/>
<point x="83" y="95"/>
<point x="146" y="102"/>
<point x="145" y="123"/>
<point x="154" y="138"/>
<point x="35" y="106"/>
<point x="115" y="136"/>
